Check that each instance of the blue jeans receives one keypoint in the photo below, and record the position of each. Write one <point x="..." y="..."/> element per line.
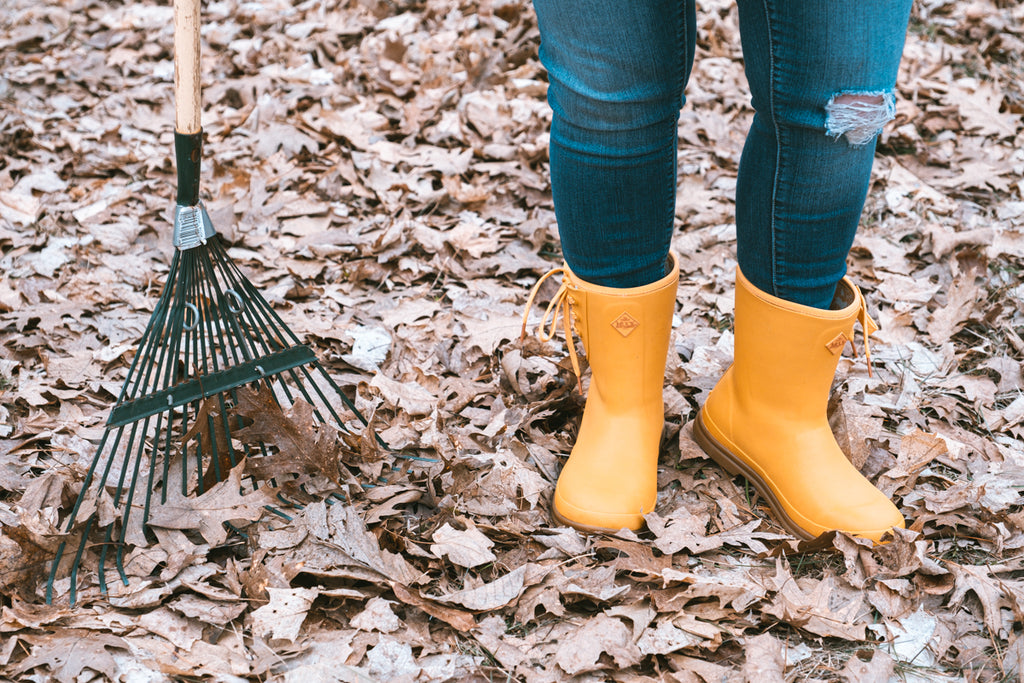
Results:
<point x="821" y="74"/>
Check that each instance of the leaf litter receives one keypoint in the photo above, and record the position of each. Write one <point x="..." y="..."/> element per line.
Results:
<point x="380" y="171"/>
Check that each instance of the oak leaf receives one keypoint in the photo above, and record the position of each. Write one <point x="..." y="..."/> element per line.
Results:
<point x="303" y="447"/>
<point x="209" y="511"/>
<point x="469" y="548"/>
<point x="980" y="581"/>
<point x="66" y="654"/>
<point x="601" y="634"/>
<point x="282" y="617"/>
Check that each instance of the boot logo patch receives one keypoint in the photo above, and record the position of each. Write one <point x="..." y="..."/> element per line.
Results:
<point x="625" y="324"/>
<point x="837" y="344"/>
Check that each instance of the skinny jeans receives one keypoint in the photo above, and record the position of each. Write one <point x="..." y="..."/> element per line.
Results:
<point x="822" y="75"/>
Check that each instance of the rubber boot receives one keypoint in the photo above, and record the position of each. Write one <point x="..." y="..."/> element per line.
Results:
<point x="610" y="480"/>
<point x="767" y="417"/>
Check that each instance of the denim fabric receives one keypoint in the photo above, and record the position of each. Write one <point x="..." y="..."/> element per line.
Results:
<point x="821" y="74"/>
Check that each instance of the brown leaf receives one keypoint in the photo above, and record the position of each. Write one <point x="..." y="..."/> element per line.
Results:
<point x="341" y="527"/>
<point x="961" y="304"/>
<point x="637" y="558"/>
<point x="214" y="612"/>
<point x="457" y="618"/>
<point x="377" y="616"/>
<point x="765" y="660"/>
<point x="210" y="430"/>
<point x="66" y="654"/>
<point x="489" y="596"/>
<point x="822" y="607"/>
<point x="208" y="513"/>
<point x="282" y="617"/>
<point x="22" y="561"/>
<point x="666" y="637"/>
<point x="598" y="635"/>
<point x="917" y="450"/>
<point x="303" y="446"/>
<point x="878" y="668"/>
<point x="980" y="581"/>
<point x="469" y="548"/>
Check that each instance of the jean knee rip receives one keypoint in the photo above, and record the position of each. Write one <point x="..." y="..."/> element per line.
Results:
<point x="859" y="116"/>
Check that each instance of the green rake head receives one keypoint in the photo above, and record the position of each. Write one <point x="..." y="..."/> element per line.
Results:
<point x="174" y="425"/>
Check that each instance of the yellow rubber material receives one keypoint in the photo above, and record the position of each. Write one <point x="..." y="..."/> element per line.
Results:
<point x="766" y="418"/>
<point x="610" y="480"/>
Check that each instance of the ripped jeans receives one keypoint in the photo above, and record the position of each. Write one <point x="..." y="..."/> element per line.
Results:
<point x="821" y="74"/>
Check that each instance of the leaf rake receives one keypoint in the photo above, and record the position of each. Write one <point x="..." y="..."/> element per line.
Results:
<point x="174" y="426"/>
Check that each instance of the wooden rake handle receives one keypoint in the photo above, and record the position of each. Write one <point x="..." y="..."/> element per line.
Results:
<point x="187" y="97"/>
<point x="188" y="133"/>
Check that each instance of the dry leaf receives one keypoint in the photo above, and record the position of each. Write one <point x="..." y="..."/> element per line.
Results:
<point x="208" y="513"/>
<point x="460" y="619"/>
<point x="282" y="617"/>
<point x="493" y="595"/>
<point x="469" y="548"/>
<point x="879" y="668"/>
<point x="601" y="635"/>
<point x="823" y="607"/>
<point x="67" y="654"/>
<point x="986" y="588"/>
<point x="303" y="446"/>
<point x="377" y="616"/>
<point x="765" y="659"/>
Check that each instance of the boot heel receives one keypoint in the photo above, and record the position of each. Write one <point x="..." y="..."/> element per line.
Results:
<point x="712" y="448"/>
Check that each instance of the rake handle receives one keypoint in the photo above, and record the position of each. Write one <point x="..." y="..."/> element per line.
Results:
<point x="188" y="135"/>
<point x="187" y="105"/>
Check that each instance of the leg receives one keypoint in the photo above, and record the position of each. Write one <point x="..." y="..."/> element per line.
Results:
<point x="616" y="72"/>
<point x="822" y="76"/>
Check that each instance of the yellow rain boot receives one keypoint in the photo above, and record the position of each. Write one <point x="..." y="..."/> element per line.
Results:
<point x="610" y="479"/>
<point x="766" y="418"/>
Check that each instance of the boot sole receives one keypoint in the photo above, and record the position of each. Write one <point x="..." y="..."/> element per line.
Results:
<point x="561" y="520"/>
<point x="736" y="467"/>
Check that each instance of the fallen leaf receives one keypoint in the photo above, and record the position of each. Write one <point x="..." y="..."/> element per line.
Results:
<point x="67" y="654"/>
<point x="303" y="446"/>
<point x="765" y="659"/>
<point x="208" y="512"/>
<point x="599" y="635"/>
<point x="825" y="609"/>
<point x="282" y="617"/>
<point x="493" y="595"/>
<point x="469" y="548"/>
<point x="377" y="616"/>
<point x="459" y="619"/>
<point x="979" y="580"/>
<point x="879" y="668"/>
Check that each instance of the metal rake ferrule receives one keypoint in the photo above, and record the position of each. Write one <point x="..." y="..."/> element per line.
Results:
<point x="192" y="226"/>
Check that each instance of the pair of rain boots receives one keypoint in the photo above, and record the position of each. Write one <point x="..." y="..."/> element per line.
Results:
<point x="765" y="419"/>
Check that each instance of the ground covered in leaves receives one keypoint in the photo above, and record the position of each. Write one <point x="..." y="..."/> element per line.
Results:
<point x="379" y="170"/>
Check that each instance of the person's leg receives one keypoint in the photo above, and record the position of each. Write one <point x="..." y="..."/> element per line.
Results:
<point x="616" y="72"/>
<point x="822" y="75"/>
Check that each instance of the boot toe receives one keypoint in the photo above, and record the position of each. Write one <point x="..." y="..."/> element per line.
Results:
<point x="873" y="521"/>
<point x="594" y="517"/>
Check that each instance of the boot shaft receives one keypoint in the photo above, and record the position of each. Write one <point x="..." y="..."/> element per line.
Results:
<point x="625" y="334"/>
<point x="789" y="352"/>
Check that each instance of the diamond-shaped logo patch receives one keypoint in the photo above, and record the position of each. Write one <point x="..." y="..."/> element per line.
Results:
<point x="625" y="324"/>
<point x="837" y="344"/>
